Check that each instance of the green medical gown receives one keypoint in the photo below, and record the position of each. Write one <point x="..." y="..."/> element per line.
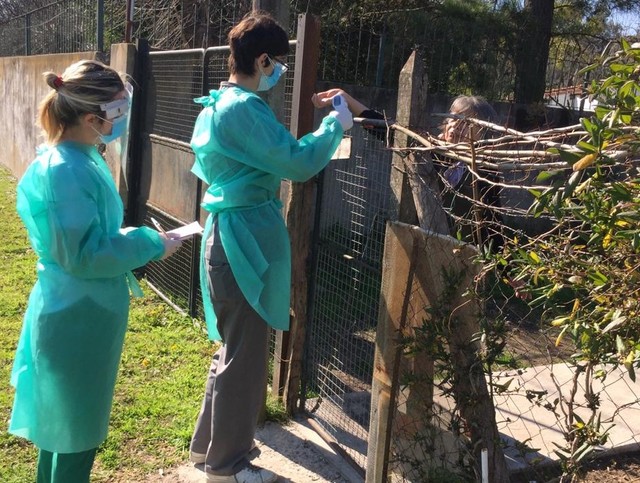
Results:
<point x="69" y="349"/>
<point x="243" y="152"/>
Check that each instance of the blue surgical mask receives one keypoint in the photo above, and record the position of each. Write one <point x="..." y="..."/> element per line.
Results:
<point x="118" y="127"/>
<point x="268" y="81"/>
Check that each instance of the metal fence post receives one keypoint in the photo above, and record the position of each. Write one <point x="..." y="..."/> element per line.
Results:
<point x="128" y="32"/>
<point x="27" y="34"/>
<point x="380" y="66"/>
<point x="141" y="76"/>
<point x="100" y="26"/>
<point x="194" y="280"/>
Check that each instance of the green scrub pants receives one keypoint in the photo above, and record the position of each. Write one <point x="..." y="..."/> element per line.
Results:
<point x="65" y="467"/>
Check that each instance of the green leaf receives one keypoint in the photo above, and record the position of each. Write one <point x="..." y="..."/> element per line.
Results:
<point x="598" y="278"/>
<point x="570" y="157"/>
<point x="590" y="148"/>
<point x="535" y="193"/>
<point x="617" y="68"/>
<point x="588" y="125"/>
<point x="583" y="451"/>
<point x="626" y="89"/>
<point x="545" y="175"/>
<point x="586" y="69"/>
<point x="574" y="179"/>
<point x="614" y="117"/>
<point x="632" y="373"/>
<point x="601" y="112"/>
<point x="626" y="118"/>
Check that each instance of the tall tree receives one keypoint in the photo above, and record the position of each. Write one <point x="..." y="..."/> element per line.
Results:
<point x="534" y="29"/>
<point x="532" y="50"/>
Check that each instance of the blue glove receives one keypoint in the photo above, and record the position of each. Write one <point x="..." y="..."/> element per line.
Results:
<point x="341" y="112"/>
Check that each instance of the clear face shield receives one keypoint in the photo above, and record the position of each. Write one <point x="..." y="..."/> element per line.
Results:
<point x="118" y="113"/>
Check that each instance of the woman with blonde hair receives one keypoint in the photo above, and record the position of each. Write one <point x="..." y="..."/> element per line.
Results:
<point x="69" y="349"/>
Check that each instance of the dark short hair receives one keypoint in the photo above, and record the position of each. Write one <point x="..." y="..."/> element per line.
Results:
<point x="257" y="33"/>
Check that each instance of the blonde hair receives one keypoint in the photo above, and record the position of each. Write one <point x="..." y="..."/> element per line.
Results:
<point x="79" y="90"/>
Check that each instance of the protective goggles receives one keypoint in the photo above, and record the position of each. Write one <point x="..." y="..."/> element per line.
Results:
<point x="119" y="107"/>
<point x="284" y="67"/>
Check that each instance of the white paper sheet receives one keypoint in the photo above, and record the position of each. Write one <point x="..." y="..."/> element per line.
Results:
<point x="186" y="231"/>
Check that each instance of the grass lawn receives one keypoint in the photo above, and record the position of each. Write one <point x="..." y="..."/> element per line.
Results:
<point x="164" y="364"/>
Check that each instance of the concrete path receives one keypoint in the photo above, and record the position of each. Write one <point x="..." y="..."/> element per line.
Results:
<point x="294" y="451"/>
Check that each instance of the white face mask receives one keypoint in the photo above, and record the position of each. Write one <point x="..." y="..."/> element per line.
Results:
<point x="268" y="81"/>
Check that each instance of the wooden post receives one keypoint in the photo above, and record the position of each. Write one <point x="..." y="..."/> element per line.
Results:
<point x="413" y="179"/>
<point x="397" y="277"/>
<point x="415" y="262"/>
<point x="300" y="206"/>
<point x="410" y="273"/>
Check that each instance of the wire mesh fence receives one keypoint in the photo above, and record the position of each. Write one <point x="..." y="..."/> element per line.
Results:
<point x="370" y="48"/>
<point x="466" y="48"/>
<point x="64" y="26"/>
<point x="354" y="206"/>
<point x="177" y="78"/>
<point x="175" y="278"/>
<point x="169" y="24"/>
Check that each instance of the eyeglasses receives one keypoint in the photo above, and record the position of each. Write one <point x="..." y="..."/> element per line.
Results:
<point x="285" y="66"/>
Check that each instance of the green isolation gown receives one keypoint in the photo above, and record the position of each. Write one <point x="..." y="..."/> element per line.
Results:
<point x="243" y="152"/>
<point x="73" y="331"/>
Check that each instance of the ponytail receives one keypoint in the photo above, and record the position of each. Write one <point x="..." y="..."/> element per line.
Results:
<point x="79" y="90"/>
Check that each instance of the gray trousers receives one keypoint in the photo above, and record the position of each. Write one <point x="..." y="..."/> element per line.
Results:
<point x="237" y="378"/>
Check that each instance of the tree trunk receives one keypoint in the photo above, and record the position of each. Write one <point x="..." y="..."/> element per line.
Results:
<point x="532" y="50"/>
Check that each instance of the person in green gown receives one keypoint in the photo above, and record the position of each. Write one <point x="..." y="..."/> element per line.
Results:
<point x="71" y="341"/>
<point x="242" y="152"/>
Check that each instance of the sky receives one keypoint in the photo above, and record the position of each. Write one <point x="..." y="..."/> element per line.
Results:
<point x="630" y="22"/>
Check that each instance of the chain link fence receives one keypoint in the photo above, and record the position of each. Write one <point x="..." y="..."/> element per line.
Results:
<point x="560" y="389"/>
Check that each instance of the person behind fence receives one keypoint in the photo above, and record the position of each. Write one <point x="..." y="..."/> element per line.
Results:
<point x="325" y="98"/>
<point x="242" y="152"/>
<point x="457" y="194"/>
<point x="69" y="349"/>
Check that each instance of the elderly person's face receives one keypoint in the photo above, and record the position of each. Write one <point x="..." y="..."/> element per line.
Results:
<point x="459" y="131"/>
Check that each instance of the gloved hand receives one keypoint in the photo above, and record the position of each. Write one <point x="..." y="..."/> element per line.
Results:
<point x="170" y="245"/>
<point x="341" y="112"/>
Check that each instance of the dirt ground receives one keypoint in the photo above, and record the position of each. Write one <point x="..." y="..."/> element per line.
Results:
<point x="615" y="469"/>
